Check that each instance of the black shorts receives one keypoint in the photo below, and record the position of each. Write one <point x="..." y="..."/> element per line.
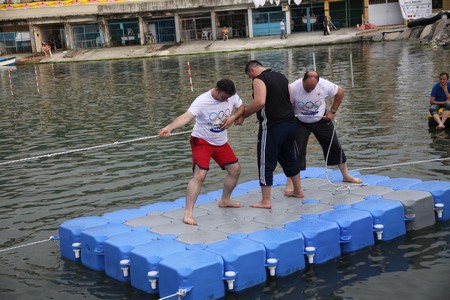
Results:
<point x="323" y="131"/>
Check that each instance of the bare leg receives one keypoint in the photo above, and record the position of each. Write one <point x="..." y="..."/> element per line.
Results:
<point x="234" y="171"/>
<point x="297" y="191"/>
<point x="346" y="174"/>
<point x="445" y="116"/>
<point x="265" y="201"/>
<point x="438" y="121"/>
<point x="289" y="189"/>
<point x="193" y="190"/>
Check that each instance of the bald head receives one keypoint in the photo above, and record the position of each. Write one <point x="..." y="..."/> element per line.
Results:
<point x="310" y="80"/>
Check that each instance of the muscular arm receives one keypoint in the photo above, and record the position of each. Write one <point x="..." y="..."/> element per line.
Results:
<point x="337" y="99"/>
<point x="231" y="119"/>
<point x="180" y="121"/>
<point x="336" y="103"/>
<point x="447" y="95"/>
<point x="433" y="100"/>
<point x="259" y="98"/>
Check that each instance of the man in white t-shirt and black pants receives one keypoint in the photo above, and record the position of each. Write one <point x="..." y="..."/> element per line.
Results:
<point x="308" y="96"/>
<point x="214" y="112"/>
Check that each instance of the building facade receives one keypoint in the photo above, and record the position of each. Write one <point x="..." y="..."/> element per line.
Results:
<point x="70" y="24"/>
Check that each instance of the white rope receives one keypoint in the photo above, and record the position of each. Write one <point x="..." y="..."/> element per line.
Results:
<point x="339" y="187"/>
<point x="51" y="238"/>
<point x="180" y="293"/>
<point x="403" y="164"/>
<point x="87" y="148"/>
<point x="348" y="186"/>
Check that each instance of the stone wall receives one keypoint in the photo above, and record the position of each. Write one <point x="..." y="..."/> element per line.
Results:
<point x="436" y="34"/>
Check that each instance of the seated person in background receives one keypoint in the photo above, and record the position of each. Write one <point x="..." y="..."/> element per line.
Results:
<point x="47" y="49"/>
<point x="225" y="33"/>
<point x="440" y="97"/>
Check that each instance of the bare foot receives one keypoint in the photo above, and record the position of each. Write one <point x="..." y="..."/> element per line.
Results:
<point x="229" y="203"/>
<point x="295" y="195"/>
<point x="288" y="193"/>
<point x="188" y="219"/>
<point x="352" y="179"/>
<point x="440" y="127"/>
<point x="261" y="204"/>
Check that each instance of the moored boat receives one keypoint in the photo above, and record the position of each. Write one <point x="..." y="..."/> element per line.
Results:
<point x="432" y="122"/>
<point x="427" y="20"/>
<point x="7" y="61"/>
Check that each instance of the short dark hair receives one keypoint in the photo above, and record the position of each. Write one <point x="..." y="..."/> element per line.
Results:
<point x="226" y="86"/>
<point x="252" y="64"/>
<point x="443" y="73"/>
<point x="311" y="74"/>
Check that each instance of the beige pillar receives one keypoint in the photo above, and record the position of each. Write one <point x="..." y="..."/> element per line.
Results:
<point x="288" y="19"/>
<point x="250" y="22"/>
<point x="36" y="46"/>
<point x="103" y="26"/>
<point x="213" y="25"/>
<point x="141" y="30"/>
<point x="177" y="28"/>
<point x="69" y="36"/>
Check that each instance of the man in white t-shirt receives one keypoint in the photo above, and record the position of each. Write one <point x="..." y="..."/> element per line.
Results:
<point x="214" y="112"/>
<point x="308" y="96"/>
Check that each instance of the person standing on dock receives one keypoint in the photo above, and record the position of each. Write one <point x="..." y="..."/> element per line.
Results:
<point x="213" y="113"/>
<point x="283" y="34"/>
<point x="440" y="98"/>
<point x="277" y="128"/>
<point x="308" y="95"/>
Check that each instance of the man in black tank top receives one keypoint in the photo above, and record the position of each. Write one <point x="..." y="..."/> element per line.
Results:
<point x="277" y="129"/>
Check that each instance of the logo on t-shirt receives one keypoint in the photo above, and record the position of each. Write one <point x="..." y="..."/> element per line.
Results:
<point x="309" y="108"/>
<point x="217" y="119"/>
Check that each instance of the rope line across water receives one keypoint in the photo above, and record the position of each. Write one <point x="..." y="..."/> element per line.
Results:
<point x="51" y="238"/>
<point x="87" y="148"/>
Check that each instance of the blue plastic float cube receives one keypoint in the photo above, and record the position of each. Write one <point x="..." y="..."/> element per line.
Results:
<point x="247" y="258"/>
<point x="312" y="172"/>
<point x="92" y="254"/>
<point x="336" y="175"/>
<point x="161" y="207"/>
<point x="309" y="206"/>
<point x="399" y="183"/>
<point x="440" y="190"/>
<point x="69" y="235"/>
<point x="418" y="207"/>
<point x="355" y="227"/>
<point x="388" y="216"/>
<point x="204" y="198"/>
<point x="321" y="237"/>
<point x="249" y="185"/>
<point x="279" y="179"/>
<point x="117" y="252"/>
<point x="372" y="179"/>
<point x="217" y="195"/>
<point x="196" y="272"/>
<point x="144" y="262"/>
<point x="285" y="246"/>
<point x="123" y="215"/>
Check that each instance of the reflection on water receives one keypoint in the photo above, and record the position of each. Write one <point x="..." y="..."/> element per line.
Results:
<point x="383" y="121"/>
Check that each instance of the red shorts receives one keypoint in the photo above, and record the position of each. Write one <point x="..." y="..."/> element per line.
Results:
<point x="202" y="152"/>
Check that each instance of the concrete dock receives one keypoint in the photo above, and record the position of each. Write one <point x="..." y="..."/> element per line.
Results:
<point x="302" y="39"/>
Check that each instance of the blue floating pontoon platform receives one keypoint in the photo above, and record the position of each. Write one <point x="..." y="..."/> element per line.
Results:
<point x="233" y="249"/>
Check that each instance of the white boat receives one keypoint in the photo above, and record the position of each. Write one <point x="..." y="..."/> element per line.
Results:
<point x="7" y="61"/>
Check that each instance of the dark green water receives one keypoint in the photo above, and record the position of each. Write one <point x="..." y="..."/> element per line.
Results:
<point x="382" y="121"/>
